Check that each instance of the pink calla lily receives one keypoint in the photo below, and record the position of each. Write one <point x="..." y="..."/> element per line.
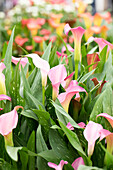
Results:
<point x="57" y="167"/>
<point x="69" y="48"/>
<point x="69" y="126"/>
<point x="102" y="43"/>
<point x="67" y="80"/>
<point x="4" y="97"/>
<point x="77" y="33"/>
<point x="108" y="117"/>
<point x="79" y="161"/>
<point x="91" y="134"/>
<point x="57" y="75"/>
<point x="23" y="61"/>
<point x="95" y="81"/>
<point x="82" y="125"/>
<point x="92" y="58"/>
<point x="66" y="97"/>
<point x="8" y="121"/>
<point x="2" y="79"/>
<point x="43" y="65"/>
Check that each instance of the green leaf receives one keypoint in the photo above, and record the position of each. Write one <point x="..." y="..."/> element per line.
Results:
<point x="49" y="156"/>
<point x="13" y="152"/>
<point x="7" y="60"/>
<point x="60" y="111"/>
<point x="102" y="59"/>
<point x="43" y="118"/>
<point x="59" y="146"/>
<point x="32" y="77"/>
<point x="40" y="147"/>
<point x="4" y="50"/>
<point x="29" y="114"/>
<point x="103" y="104"/>
<point x="93" y="50"/>
<point x="40" y="143"/>
<point x="31" y="147"/>
<point x="46" y="54"/>
<point x="86" y="76"/>
<point x="35" y="101"/>
<point x="24" y="159"/>
<point x="83" y="167"/>
<point x="6" y="166"/>
<point x="53" y="59"/>
<point x="73" y="139"/>
<point x="25" y="81"/>
<point x="36" y="87"/>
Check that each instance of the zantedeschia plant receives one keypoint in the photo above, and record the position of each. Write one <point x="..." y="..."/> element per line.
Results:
<point x="23" y="61"/>
<point x="91" y="134"/>
<point x="57" y="75"/>
<point x="77" y="33"/>
<point x="79" y="161"/>
<point x="66" y="97"/>
<point x="57" y="167"/>
<point x="8" y="122"/>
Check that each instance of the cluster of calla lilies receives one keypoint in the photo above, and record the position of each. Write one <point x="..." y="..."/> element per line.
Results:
<point x="59" y="76"/>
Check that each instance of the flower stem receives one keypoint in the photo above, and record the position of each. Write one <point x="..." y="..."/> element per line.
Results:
<point x="43" y="95"/>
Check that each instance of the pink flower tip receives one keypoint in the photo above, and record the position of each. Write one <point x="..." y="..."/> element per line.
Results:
<point x="69" y="126"/>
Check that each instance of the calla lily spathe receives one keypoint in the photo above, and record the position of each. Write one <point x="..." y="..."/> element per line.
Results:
<point x="43" y="65"/>
<point x="23" y="61"/>
<point x="57" y="75"/>
<point x="77" y="33"/>
<point x="91" y="134"/>
<point x="57" y="167"/>
<point x="66" y="97"/>
<point x="2" y="79"/>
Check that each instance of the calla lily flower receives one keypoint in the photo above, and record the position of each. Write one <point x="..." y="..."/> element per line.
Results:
<point x="67" y="81"/>
<point x="95" y="81"/>
<point x="102" y="43"/>
<point x="81" y="6"/>
<point x="57" y="75"/>
<point x="69" y="126"/>
<point x="88" y="33"/>
<point x="2" y="79"/>
<point x="29" y="47"/>
<point x="33" y="26"/>
<point x="98" y="19"/>
<point x="62" y="55"/>
<point x="57" y="167"/>
<point x="77" y="33"/>
<point x="56" y="17"/>
<point x="8" y="122"/>
<point x="91" y="134"/>
<point x="45" y="32"/>
<point x="104" y="30"/>
<point x="20" y="41"/>
<point x="79" y="161"/>
<point x="88" y="19"/>
<point x="4" y="97"/>
<point x="82" y="125"/>
<point x="66" y="97"/>
<point x="93" y="58"/>
<point x="60" y="28"/>
<point x="96" y="29"/>
<point x="23" y="61"/>
<point x="108" y="117"/>
<point x="69" y="48"/>
<point x="43" y="65"/>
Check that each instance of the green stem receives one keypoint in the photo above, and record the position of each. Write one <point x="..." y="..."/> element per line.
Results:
<point x="33" y="44"/>
<point x="43" y="95"/>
